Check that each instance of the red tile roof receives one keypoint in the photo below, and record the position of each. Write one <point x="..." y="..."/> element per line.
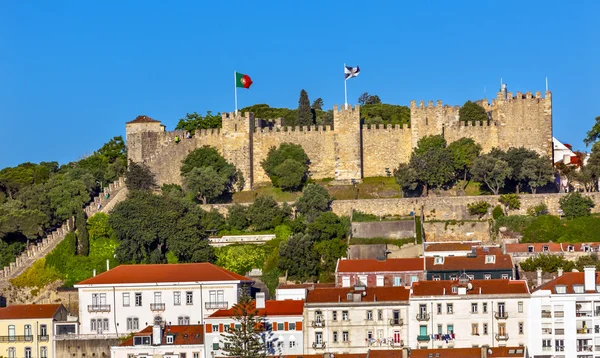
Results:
<point x="373" y="265"/>
<point x="567" y="279"/>
<point x="497" y="352"/>
<point x="487" y="287"/>
<point x="272" y="308"/>
<point x="373" y="294"/>
<point x="537" y="247"/>
<point x="194" y="272"/>
<point x="579" y="247"/>
<point x="455" y="263"/>
<point x="143" y="119"/>
<point x="29" y="311"/>
<point x="306" y="285"/>
<point x="462" y="246"/>
<point x="184" y="335"/>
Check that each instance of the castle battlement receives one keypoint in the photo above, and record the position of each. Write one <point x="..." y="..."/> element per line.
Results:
<point x="239" y="116"/>
<point x="291" y="129"/>
<point x="384" y="127"/>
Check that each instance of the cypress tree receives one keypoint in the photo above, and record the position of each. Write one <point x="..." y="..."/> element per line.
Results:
<point x="83" y="237"/>
<point x="305" y="115"/>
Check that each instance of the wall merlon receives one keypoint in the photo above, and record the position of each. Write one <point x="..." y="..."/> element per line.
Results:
<point x="528" y="95"/>
<point x="429" y="104"/>
<point x="413" y="104"/>
<point x="439" y="104"/>
<point x="421" y="104"/>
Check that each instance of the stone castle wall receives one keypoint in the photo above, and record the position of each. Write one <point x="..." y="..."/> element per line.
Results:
<point x="347" y="150"/>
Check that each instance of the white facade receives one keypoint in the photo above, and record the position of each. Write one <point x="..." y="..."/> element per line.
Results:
<point x="282" y="294"/>
<point x="164" y="342"/>
<point x="162" y="351"/>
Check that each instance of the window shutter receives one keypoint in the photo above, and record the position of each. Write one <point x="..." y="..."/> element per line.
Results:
<point x="274" y="326"/>
<point x="285" y="326"/>
<point x="220" y="327"/>
<point x="209" y="328"/>
<point x="298" y="326"/>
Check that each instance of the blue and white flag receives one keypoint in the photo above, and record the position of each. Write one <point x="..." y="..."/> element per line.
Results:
<point x="350" y="72"/>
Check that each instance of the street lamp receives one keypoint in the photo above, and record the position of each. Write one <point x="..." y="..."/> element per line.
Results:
<point x="354" y="188"/>
<point x="388" y="172"/>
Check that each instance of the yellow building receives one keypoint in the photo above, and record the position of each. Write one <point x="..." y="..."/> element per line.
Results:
<point x="26" y="331"/>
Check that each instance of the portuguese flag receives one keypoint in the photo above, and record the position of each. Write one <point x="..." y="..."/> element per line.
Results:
<point x="242" y="80"/>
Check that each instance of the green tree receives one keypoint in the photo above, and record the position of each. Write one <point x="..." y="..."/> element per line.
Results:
<point x="537" y="172"/>
<point x="318" y="104"/>
<point x="510" y="202"/>
<point x="575" y="205"/>
<point x="205" y="183"/>
<point x="479" y="208"/>
<point x="472" y="112"/>
<point x="193" y="121"/>
<point x="297" y="163"/>
<point x="492" y="171"/>
<point x="432" y="163"/>
<point x="430" y="142"/>
<point x="383" y="113"/>
<point x="241" y="258"/>
<point x="305" y="115"/>
<point x="593" y="134"/>
<point x="406" y="177"/>
<point x="547" y="262"/>
<point x="366" y="98"/>
<point x="516" y="157"/>
<point x="328" y="226"/>
<point x="537" y="210"/>
<point x="314" y="200"/>
<point x="189" y="242"/>
<point x="291" y="174"/>
<point x="139" y="177"/>
<point x="209" y="157"/>
<point x="237" y="217"/>
<point x="330" y="251"/>
<point x="213" y="220"/>
<point x="244" y="340"/>
<point x="299" y="245"/>
<point x="265" y="214"/>
<point x="83" y="237"/>
<point x="544" y="228"/>
<point x="464" y="152"/>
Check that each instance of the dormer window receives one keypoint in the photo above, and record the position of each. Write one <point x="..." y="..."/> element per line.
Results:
<point x="578" y="288"/>
<point x="141" y="341"/>
<point x="530" y="249"/>
<point x="454" y="289"/>
<point x="586" y="248"/>
<point x="438" y="260"/>
<point x="597" y="288"/>
<point x="490" y="259"/>
<point x="545" y="248"/>
<point x="570" y="248"/>
<point x="170" y="338"/>
<point x="560" y="289"/>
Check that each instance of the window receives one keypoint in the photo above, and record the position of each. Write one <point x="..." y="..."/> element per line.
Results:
<point x="27" y="352"/>
<point x="105" y="324"/>
<point x="436" y="277"/>
<point x="414" y="278"/>
<point x="335" y="336"/>
<point x="379" y="280"/>
<point x="345" y="337"/>
<point x="157" y="297"/>
<point x="474" y="329"/>
<point x="98" y="299"/>
<point x="215" y="346"/>
<point x="43" y="330"/>
<point x="292" y="343"/>
<point x="43" y="352"/>
<point x="379" y="315"/>
<point x="177" y="298"/>
<point x="490" y="259"/>
<point x="292" y="326"/>
<point x="369" y="315"/>
<point x="439" y="308"/>
<point x="530" y="249"/>
<point x="440" y="329"/>
<point x="546" y="344"/>
<point x="484" y="307"/>
<point x="397" y="281"/>
<point x="12" y="352"/>
<point x="169" y="339"/>
<point x="182" y="355"/>
<point x="422" y="330"/>
<point x="561" y="289"/>
<point x="487" y="276"/>
<point x="334" y="315"/>
<point x="138" y="299"/>
<point x="344" y="315"/>
<point x="132" y="323"/>
<point x="438" y="260"/>
<point x="559" y="345"/>
<point x="126" y="299"/>
<point x="189" y="298"/>
<point x="454" y="289"/>
<point x="520" y="327"/>
<point x="578" y="288"/>
<point x="185" y="320"/>
<point x="449" y="308"/>
<point x="570" y="248"/>
<point x="93" y="327"/>
<point x="473" y="307"/>
<point x="141" y="340"/>
<point x="450" y="328"/>
<point x="453" y="277"/>
<point x="505" y="276"/>
<point x="545" y="248"/>
<point x="346" y="281"/>
<point x="520" y="305"/>
<point x="280" y="326"/>
<point x="485" y="328"/>
<point x="27" y="330"/>
<point x="369" y="335"/>
<point x="196" y="355"/>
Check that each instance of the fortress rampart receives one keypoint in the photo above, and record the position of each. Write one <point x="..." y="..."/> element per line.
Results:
<point x="347" y="150"/>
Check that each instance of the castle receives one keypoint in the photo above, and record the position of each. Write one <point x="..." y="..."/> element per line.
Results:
<point x="347" y="150"/>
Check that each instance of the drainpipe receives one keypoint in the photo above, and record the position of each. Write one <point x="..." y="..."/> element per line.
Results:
<point x="115" y="310"/>
<point x="37" y="343"/>
<point x="493" y="322"/>
<point x="431" y="340"/>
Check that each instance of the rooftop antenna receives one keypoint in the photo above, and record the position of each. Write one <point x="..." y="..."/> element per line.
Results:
<point x="546" y="83"/>
<point x="484" y="92"/>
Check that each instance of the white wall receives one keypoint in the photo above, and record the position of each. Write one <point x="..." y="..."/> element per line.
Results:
<point x="290" y="294"/>
<point x="161" y="351"/>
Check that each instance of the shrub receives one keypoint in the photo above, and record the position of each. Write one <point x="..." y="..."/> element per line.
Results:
<point x="314" y="200"/>
<point x="479" y="208"/>
<point x="497" y="212"/>
<point x="576" y="205"/>
<point x="236" y="217"/>
<point x="544" y="228"/>
<point x="510" y="202"/>
<point x="286" y="166"/>
<point x="537" y="210"/>
<point x="515" y="223"/>
<point x="359" y="216"/>
<point x="547" y="262"/>
<point x="38" y="275"/>
<point x="265" y="214"/>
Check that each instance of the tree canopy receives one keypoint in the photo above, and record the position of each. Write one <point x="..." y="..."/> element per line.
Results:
<point x="305" y="115"/>
<point x="287" y="166"/>
<point x="193" y="121"/>
<point x="472" y="112"/>
<point x="314" y="200"/>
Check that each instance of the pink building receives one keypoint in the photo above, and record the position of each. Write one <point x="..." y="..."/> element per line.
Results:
<point x="377" y="273"/>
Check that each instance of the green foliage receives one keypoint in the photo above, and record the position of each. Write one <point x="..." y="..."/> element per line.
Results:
<point x="472" y="112"/>
<point x="366" y="98"/>
<point x="593" y="134"/>
<point x="213" y="220"/>
<point x="516" y="157"/>
<point x="428" y="143"/>
<point x="328" y="226"/>
<point x="464" y="152"/>
<point x="244" y="340"/>
<point x="514" y="223"/>
<point x="330" y="251"/>
<point x="547" y="262"/>
<point x="543" y="228"/>
<point x="205" y="183"/>
<point x="479" y="208"/>
<point x="581" y="229"/>
<point x="265" y="112"/>
<point x="492" y="171"/>
<point x="381" y="241"/>
<point x="318" y="104"/>
<point x="510" y="202"/>
<point x="576" y="205"/>
<point x="83" y="237"/>
<point x="305" y="116"/>
<point x="315" y="200"/>
<point x="432" y="163"/>
<point x="282" y="232"/>
<point x="237" y="217"/>
<point x="537" y="210"/>
<point x="286" y="166"/>
<point x="37" y="275"/>
<point x="139" y="177"/>
<point x="193" y="121"/>
<point x="241" y="258"/>
<point x="406" y="177"/>
<point x="265" y="214"/>
<point x="537" y="172"/>
<point x="497" y="212"/>
<point x="382" y="113"/>
<point x="359" y="216"/>
<point x="299" y="245"/>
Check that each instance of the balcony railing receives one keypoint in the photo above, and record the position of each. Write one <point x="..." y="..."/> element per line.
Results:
<point x="422" y="316"/>
<point x="501" y="315"/>
<point x="43" y="338"/>
<point x="316" y="345"/>
<point x="559" y="348"/>
<point x="583" y="314"/>
<point x="98" y="308"/>
<point x="502" y="337"/>
<point x="546" y="314"/>
<point x="584" y="330"/>
<point x="597" y="348"/>
<point x="157" y="306"/>
<point x="396" y="322"/>
<point x="5" y="339"/>
<point x="597" y="312"/>
<point x="318" y="323"/>
<point x="584" y="348"/>
<point x="423" y="338"/>
<point x="546" y="349"/>
<point x="215" y="305"/>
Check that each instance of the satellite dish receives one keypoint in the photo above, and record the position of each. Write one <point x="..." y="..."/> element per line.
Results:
<point x="364" y="293"/>
<point x="469" y="286"/>
<point x="489" y="351"/>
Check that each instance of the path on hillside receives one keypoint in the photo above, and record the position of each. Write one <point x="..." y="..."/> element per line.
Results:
<point x="117" y="193"/>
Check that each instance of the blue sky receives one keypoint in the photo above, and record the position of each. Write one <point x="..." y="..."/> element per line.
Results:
<point x="72" y="73"/>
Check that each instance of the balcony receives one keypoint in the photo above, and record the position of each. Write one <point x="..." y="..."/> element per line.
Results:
<point x="422" y="317"/>
<point x="502" y="337"/>
<point x="5" y="339"/>
<point x="584" y="348"/>
<point x="318" y="323"/>
<point x="501" y="315"/>
<point x="316" y="345"/>
<point x="584" y="330"/>
<point x="157" y="306"/>
<point x="98" y="308"/>
<point x="396" y="322"/>
<point x="43" y="338"/>
<point x="583" y="314"/>
<point x="559" y="348"/>
<point x="423" y="338"/>
<point x="546" y="314"/>
<point x="216" y="305"/>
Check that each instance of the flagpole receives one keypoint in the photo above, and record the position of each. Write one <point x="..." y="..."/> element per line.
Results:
<point x="235" y="90"/>
<point x="345" y="90"/>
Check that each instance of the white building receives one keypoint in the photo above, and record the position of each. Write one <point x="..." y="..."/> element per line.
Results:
<point x="466" y="313"/>
<point x="163" y="341"/>
<point x="565" y="317"/>
<point x="355" y="320"/>
<point x="283" y="322"/>
<point x="121" y="300"/>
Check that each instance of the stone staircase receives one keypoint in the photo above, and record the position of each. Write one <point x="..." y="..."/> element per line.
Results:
<point x="117" y="192"/>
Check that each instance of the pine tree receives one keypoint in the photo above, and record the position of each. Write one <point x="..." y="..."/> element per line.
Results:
<point x="244" y="340"/>
<point x="305" y="115"/>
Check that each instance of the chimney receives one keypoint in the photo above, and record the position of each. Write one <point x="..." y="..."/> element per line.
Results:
<point x="590" y="278"/>
<point x="94" y="272"/>
<point x="107" y="265"/>
<point x="560" y="271"/>
<point x="156" y="335"/>
<point x="484" y="351"/>
<point x="539" y="276"/>
<point x="405" y="352"/>
<point x="260" y="300"/>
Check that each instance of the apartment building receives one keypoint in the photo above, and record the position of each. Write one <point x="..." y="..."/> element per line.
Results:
<point x="355" y="319"/>
<point x="378" y="273"/>
<point x="120" y="301"/>
<point x="28" y="330"/>
<point x="476" y="266"/>
<point x="463" y="248"/>
<point x="163" y="341"/>
<point x="565" y="317"/>
<point x="468" y="313"/>
<point x="283" y="324"/>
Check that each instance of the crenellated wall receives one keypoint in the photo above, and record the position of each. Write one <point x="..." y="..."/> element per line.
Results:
<point x="347" y="150"/>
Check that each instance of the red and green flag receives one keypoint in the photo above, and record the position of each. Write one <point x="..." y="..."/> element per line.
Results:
<point x="242" y="80"/>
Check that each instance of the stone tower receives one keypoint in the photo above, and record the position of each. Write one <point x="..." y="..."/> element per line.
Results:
<point x="237" y="136"/>
<point x="143" y="138"/>
<point x="347" y="144"/>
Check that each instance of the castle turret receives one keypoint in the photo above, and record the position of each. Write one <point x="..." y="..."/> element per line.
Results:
<point x="347" y="144"/>
<point x="142" y="135"/>
<point x="237" y="135"/>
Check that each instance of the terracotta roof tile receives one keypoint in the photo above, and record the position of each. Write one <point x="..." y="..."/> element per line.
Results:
<point x="193" y="272"/>
<point x="454" y="263"/>
<point x="306" y="285"/>
<point x="373" y="294"/>
<point x="373" y="265"/>
<point x="580" y="247"/>
<point x="462" y="246"/>
<point x="29" y="311"/>
<point x="488" y="287"/>
<point x="272" y="308"/>
<point x="537" y="247"/>
<point x="567" y="279"/>
<point x="143" y="119"/>
<point x="497" y="352"/>
<point x="184" y="335"/>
